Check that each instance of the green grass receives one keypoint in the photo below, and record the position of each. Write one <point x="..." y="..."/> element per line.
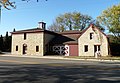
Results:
<point x="91" y="57"/>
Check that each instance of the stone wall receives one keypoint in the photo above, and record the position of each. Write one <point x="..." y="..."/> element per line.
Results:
<point x="32" y="40"/>
<point x="97" y="39"/>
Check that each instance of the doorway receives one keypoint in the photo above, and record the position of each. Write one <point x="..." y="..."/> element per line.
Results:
<point x="61" y="50"/>
<point x="24" y="49"/>
<point x="96" y="49"/>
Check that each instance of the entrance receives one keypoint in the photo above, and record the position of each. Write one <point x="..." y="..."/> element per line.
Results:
<point x="24" y="49"/>
<point x="97" y="50"/>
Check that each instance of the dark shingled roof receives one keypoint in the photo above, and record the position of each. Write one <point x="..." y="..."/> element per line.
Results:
<point x="34" y="30"/>
<point x="67" y="37"/>
<point x="27" y="31"/>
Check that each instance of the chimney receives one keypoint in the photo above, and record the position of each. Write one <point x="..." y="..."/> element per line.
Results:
<point x="42" y="25"/>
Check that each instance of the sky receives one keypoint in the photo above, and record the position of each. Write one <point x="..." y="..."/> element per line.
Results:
<point x="28" y="14"/>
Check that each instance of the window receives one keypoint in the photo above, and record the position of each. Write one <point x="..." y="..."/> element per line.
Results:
<point x="37" y="48"/>
<point x="16" y="48"/>
<point x="91" y="36"/>
<point x="86" y="48"/>
<point x="24" y="48"/>
<point x="24" y="36"/>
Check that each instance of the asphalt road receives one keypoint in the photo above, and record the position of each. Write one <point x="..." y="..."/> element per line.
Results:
<point x="36" y="70"/>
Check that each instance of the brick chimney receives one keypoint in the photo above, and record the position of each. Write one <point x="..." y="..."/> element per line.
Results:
<point x="42" y="25"/>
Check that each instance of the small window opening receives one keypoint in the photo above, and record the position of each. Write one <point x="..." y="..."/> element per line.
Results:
<point x="24" y="36"/>
<point x="37" y="48"/>
<point x="16" y="48"/>
<point x="91" y="35"/>
<point x="86" y="48"/>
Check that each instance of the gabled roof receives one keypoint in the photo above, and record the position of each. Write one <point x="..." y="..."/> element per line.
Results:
<point x="93" y="26"/>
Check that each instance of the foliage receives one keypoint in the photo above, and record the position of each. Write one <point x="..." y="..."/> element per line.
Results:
<point x="111" y="19"/>
<point x="114" y="45"/>
<point x="7" y="3"/>
<point x="55" y="27"/>
<point x="5" y="43"/>
<point x="1" y="43"/>
<point x="115" y="49"/>
<point x="85" y="21"/>
<point x="113" y="39"/>
<point x="97" y="24"/>
<point x="71" y="21"/>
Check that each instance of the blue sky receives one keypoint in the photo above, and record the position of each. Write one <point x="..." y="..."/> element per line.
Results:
<point x="27" y="15"/>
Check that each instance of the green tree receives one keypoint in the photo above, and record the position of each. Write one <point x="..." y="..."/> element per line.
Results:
<point x="111" y="19"/>
<point x="99" y="25"/>
<point x="7" y="42"/>
<point x="1" y="43"/>
<point x="55" y="27"/>
<point x="7" y="3"/>
<point x="85" y="21"/>
<point x="72" y="21"/>
<point x="66" y="19"/>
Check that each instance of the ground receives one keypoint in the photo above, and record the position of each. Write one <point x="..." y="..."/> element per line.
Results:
<point x="39" y="70"/>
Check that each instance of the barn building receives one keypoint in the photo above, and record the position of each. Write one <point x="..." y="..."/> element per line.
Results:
<point x="39" y="41"/>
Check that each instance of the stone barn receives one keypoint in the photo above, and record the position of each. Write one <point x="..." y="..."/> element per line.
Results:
<point x="41" y="42"/>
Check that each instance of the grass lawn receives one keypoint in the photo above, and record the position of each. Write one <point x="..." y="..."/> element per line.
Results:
<point x="91" y="57"/>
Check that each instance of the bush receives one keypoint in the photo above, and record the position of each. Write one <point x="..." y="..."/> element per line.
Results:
<point x="115" y="49"/>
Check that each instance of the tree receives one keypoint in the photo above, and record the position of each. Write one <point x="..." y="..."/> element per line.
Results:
<point x="65" y="20"/>
<point x="111" y="19"/>
<point x="85" y="21"/>
<point x="55" y="27"/>
<point x="1" y="43"/>
<point x="69" y="20"/>
<point x="72" y="21"/>
<point x="7" y="3"/>
<point x="99" y="25"/>
<point x="7" y="42"/>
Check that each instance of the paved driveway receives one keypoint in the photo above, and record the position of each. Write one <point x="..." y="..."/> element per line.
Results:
<point x="32" y="70"/>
